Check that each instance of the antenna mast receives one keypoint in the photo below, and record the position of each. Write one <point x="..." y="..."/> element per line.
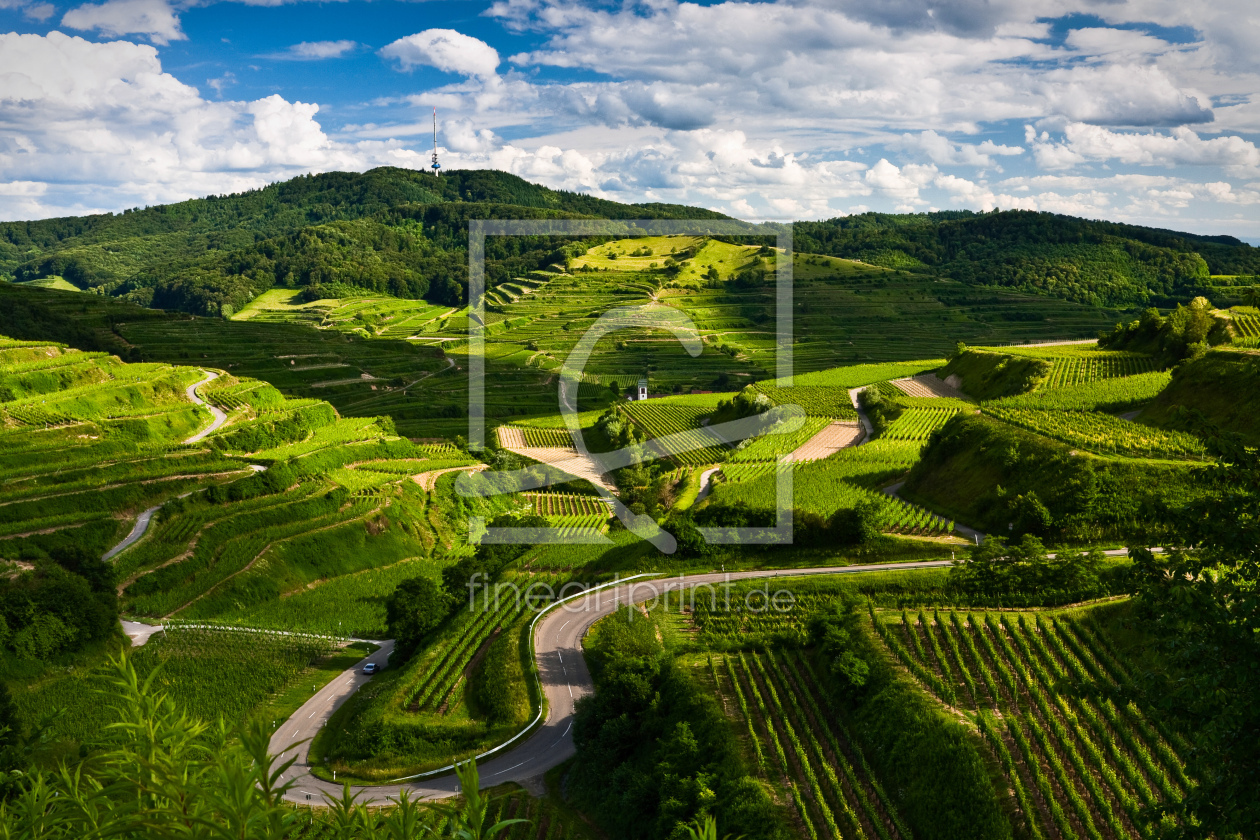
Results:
<point x="436" y="166"/>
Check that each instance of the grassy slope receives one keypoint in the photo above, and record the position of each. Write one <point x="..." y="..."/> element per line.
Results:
<point x="208" y="556"/>
<point x="988" y="376"/>
<point x="976" y="465"/>
<point x="1223" y="385"/>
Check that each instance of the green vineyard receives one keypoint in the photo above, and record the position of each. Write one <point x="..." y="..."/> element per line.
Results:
<point x="796" y="736"/>
<point x="770" y="447"/>
<point x="658" y="419"/>
<point x="1102" y="432"/>
<point x="547" y="438"/>
<point x="573" y="514"/>
<point x="828" y="485"/>
<point x="1117" y="394"/>
<point x="917" y="424"/>
<point x="484" y="616"/>
<point x="1048" y="695"/>
<point x="1083" y="369"/>
<point x="855" y="376"/>
<point x="814" y="400"/>
<point x="566" y="504"/>
<point x="1246" y="325"/>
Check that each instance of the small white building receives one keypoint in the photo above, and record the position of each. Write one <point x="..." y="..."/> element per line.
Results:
<point x="642" y="389"/>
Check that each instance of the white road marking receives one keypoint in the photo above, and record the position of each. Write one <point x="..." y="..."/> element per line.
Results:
<point x="566" y="685"/>
<point x="311" y="715"/>
<point x="566" y="624"/>
<point x="513" y="767"/>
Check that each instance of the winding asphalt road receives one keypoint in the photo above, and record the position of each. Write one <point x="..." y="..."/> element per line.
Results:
<point x="146" y="518"/>
<point x="565" y="679"/>
<point x="219" y="417"/>
<point x="137" y="531"/>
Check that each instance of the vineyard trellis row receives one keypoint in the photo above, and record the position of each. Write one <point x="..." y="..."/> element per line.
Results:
<point x="545" y="438"/>
<point x="1083" y="761"/>
<point x="659" y="420"/>
<point x="447" y="666"/>
<point x="1084" y="369"/>
<point x="1248" y="326"/>
<point x="831" y="785"/>
<point x="918" y="423"/>
<point x="1102" y="432"/>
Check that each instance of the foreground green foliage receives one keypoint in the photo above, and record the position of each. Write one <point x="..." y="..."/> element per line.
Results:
<point x="165" y="773"/>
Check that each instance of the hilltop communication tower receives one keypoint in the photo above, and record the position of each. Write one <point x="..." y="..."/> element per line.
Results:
<point x="436" y="166"/>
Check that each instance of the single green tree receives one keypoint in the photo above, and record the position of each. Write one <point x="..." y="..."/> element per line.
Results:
<point x="415" y="607"/>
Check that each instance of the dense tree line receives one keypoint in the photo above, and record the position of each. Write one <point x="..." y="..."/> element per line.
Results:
<point x="846" y="528"/>
<point x="392" y="231"/>
<point x="404" y="233"/>
<point x="1100" y="263"/>
<point x="1186" y="332"/>
<point x="1203" y="605"/>
<point x="66" y="602"/>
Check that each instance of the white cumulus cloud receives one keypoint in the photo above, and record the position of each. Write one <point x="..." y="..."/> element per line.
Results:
<point x="106" y="115"/>
<point x="1180" y="146"/>
<point x="447" y="50"/>
<point x="154" y="19"/>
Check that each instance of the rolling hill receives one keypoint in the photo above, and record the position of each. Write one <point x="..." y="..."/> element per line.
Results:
<point x="403" y="233"/>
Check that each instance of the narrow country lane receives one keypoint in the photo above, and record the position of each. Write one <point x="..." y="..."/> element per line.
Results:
<point x="137" y="531"/>
<point x="219" y="417"/>
<point x="565" y="679"/>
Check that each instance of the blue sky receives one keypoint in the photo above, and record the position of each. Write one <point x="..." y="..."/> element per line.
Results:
<point x="1147" y="111"/>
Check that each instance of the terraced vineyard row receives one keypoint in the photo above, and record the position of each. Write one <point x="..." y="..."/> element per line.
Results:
<point x="1102" y="432"/>
<point x="575" y="527"/>
<point x="1049" y="700"/>
<point x="918" y="423"/>
<point x="566" y="504"/>
<point x="901" y="517"/>
<point x="658" y="420"/>
<point x="855" y="376"/>
<point x="1116" y="394"/>
<point x="546" y="437"/>
<point x="33" y="415"/>
<point x="815" y="400"/>
<point x="1084" y="369"/>
<point x="770" y="447"/>
<point x="825" y="487"/>
<point x="1247" y="325"/>
<point x="446" y="669"/>
<point x="796" y="738"/>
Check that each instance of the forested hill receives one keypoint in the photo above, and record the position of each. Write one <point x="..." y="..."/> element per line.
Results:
<point x="396" y="231"/>
<point x="1102" y="263"/>
<point x="404" y="233"/>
